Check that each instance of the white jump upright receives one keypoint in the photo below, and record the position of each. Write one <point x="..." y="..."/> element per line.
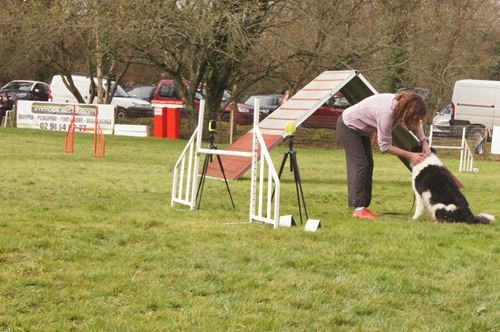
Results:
<point x="7" y="118"/>
<point x="466" y="155"/>
<point x="186" y="173"/>
<point x="264" y="179"/>
<point x="185" y="179"/>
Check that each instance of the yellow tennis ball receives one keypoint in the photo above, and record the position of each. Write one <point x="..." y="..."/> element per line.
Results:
<point x="290" y="128"/>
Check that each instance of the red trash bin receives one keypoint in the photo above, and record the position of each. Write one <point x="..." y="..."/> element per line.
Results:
<point x="174" y="120"/>
<point x="167" y="118"/>
<point x="159" y="120"/>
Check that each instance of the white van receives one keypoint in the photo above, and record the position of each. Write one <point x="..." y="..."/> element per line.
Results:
<point x="476" y="102"/>
<point x="126" y="106"/>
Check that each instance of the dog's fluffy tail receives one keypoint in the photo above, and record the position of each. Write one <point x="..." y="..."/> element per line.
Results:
<point x="463" y="215"/>
<point x="484" y="218"/>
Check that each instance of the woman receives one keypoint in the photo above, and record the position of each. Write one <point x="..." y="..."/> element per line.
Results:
<point x="378" y="113"/>
<point x="4" y="103"/>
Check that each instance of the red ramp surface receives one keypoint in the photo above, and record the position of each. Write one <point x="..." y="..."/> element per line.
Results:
<point x="235" y="167"/>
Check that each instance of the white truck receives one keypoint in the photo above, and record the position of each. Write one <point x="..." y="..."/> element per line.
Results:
<point x="126" y="106"/>
<point x="477" y="103"/>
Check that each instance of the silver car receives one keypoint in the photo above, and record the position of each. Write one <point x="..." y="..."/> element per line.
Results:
<point x="442" y="118"/>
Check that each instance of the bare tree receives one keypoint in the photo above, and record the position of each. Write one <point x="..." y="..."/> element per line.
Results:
<point x="260" y="45"/>
<point x="205" y="42"/>
<point x="433" y="43"/>
<point x="71" y="36"/>
<point x="323" y="35"/>
<point x="456" y="41"/>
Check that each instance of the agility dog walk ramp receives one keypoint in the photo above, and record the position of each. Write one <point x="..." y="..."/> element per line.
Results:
<point x="298" y="108"/>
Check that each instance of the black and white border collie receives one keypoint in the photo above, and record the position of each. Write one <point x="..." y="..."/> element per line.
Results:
<point x="436" y="191"/>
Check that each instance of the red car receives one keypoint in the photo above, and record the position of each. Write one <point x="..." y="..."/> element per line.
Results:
<point x="268" y="103"/>
<point x="166" y="91"/>
<point x="244" y="114"/>
<point x="326" y="116"/>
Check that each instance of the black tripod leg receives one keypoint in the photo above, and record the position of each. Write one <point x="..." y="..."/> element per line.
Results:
<point x="294" y="169"/>
<point x="282" y="166"/>
<point x="225" y="180"/>
<point x="283" y="162"/>
<point x="298" y="187"/>
<point x="199" y="192"/>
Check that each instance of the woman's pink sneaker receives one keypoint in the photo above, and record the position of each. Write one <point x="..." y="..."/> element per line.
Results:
<point x="365" y="214"/>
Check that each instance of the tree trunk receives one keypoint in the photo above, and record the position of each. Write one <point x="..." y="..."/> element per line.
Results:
<point x="98" y="60"/>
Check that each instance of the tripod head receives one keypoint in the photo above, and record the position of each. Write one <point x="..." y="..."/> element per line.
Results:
<point x="212" y="126"/>
<point x="211" y="133"/>
<point x="290" y="128"/>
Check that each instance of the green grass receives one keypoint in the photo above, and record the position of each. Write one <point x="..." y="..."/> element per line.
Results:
<point x="93" y="244"/>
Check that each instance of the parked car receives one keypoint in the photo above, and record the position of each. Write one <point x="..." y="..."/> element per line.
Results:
<point x="326" y="116"/>
<point x="244" y="114"/>
<point x="166" y="91"/>
<point x="267" y="102"/>
<point x="144" y="92"/>
<point x="441" y="121"/>
<point x="476" y="103"/>
<point x="443" y="117"/>
<point x="126" y="106"/>
<point x="26" y="90"/>
<point x="444" y="124"/>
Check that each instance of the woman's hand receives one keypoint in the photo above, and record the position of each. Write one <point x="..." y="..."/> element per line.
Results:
<point x="426" y="150"/>
<point x="415" y="158"/>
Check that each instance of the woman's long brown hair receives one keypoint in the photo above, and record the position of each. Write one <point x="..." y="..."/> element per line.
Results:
<point x="410" y="109"/>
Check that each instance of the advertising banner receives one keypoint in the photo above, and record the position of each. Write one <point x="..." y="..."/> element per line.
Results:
<point x="57" y="116"/>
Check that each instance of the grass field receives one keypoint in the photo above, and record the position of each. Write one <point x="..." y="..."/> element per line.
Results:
<point x="93" y="244"/>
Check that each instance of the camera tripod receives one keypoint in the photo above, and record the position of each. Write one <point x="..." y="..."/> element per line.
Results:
<point x="206" y="162"/>
<point x="294" y="167"/>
